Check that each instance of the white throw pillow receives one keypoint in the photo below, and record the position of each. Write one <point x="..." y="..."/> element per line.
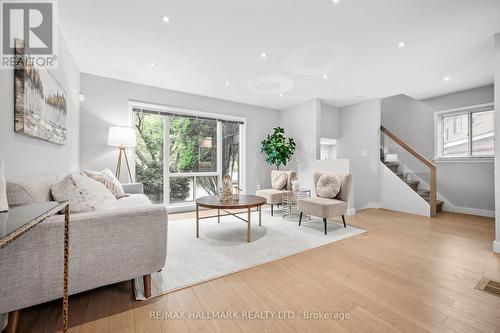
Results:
<point x="279" y="180"/>
<point x="328" y="186"/>
<point x="108" y="179"/>
<point x="83" y="193"/>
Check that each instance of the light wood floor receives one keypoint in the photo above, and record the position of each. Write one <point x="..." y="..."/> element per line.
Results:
<point x="407" y="273"/>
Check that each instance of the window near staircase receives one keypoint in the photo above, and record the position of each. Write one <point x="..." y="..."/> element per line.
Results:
<point x="466" y="133"/>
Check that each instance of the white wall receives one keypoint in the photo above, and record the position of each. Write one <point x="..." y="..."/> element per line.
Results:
<point x="413" y="122"/>
<point x="329" y="121"/>
<point x="360" y="126"/>
<point x="301" y="123"/>
<point x="496" y="244"/>
<point x="106" y="104"/>
<point x="24" y="155"/>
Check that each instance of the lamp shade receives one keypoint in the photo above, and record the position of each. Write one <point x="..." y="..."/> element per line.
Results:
<point x="121" y="136"/>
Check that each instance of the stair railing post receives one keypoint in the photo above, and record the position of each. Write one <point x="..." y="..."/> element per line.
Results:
<point x="433" y="192"/>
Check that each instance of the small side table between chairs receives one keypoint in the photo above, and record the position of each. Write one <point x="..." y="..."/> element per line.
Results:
<point x="290" y="203"/>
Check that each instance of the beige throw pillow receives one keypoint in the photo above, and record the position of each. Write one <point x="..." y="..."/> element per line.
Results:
<point x="279" y="180"/>
<point x="328" y="186"/>
<point x="83" y="193"/>
<point x="108" y="179"/>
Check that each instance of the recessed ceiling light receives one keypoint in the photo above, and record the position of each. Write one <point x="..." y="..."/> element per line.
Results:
<point x="401" y="44"/>
<point x="325" y="76"/>
<point x="263" y="55"/>
<point x="227" y="83"/>
<point x="152" y="64"/>
<point x="165" y="18"/>
<point x="446" y="78"/>
<point x="281" y="95"/>
<point x="335" y="1"/>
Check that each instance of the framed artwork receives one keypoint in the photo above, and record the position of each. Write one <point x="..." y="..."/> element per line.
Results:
<point x="40" y="106"/>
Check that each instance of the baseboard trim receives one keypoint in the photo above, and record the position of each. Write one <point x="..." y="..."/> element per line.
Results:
<point x="374" y="205"/>
<point x="469" y="211"/>
<point x="496" y="246"/>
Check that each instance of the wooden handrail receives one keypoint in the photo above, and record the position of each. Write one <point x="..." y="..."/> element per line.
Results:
<point x="407" y="147"/>
<point x="432" y="167"/>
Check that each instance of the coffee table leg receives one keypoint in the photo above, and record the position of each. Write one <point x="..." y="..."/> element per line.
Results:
<point x="197" y="221"/>
<point x="249" y="233"/>
<point x="66" y="266"/>
<point x="260" y="216"/>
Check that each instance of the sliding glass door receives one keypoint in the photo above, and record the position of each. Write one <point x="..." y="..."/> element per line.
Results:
<point x="198" y="152"/>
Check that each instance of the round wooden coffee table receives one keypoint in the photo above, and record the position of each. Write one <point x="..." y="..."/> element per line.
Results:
<point x="245" y="202"/>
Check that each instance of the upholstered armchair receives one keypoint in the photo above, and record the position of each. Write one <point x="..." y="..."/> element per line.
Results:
<point x="332" y="195"/>
<point x="281" y="181"/>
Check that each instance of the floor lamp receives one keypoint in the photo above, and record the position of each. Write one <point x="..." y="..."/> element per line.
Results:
<point x="122" y="137"/>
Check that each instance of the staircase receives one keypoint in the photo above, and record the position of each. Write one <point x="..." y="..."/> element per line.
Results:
<point x="391" y="144"/>
<point x="414" y="184"/>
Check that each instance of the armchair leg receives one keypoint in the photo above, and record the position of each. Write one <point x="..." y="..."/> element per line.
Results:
<point x="147" y="285"/>
<point x="300" y="218"/>
<point x="343" y="219"/>
<point x="13" y="321"/>
<point x="272" y="210"/>
<point x="326" y="231"/>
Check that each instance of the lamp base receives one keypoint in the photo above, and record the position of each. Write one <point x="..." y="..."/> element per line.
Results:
<point x="123" y="153"/>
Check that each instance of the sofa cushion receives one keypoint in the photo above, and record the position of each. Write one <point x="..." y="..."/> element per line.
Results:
<point x="328" y="186"/>
<point x="279" y="179"/>
<point x="272" y="196"/>
<point x="322" y="207"/>
<point x="134" y="201"/>
<point x="108" y="179"/>
<point x="27" y="191"/>
<point x="83" y="193"/>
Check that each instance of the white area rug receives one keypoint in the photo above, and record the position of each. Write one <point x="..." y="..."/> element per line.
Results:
<point x="222" y="248"/>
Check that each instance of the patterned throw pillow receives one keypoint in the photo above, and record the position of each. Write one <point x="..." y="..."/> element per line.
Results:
<point x="83" y="193"/>
<point x="279" y="180"/>
<point x="108" y="179"/>
<point x="328" y="186"/>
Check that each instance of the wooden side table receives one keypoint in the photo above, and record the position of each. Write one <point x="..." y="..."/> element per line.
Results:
<point x="21" y="219"/>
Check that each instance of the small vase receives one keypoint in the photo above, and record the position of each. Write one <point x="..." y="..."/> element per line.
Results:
<point x="4" y="206"/>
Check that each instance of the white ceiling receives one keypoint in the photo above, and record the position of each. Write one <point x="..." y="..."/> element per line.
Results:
<point x="354" y="42"/>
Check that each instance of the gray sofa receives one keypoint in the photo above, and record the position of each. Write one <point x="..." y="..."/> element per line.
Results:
<point x="106" y="247"/>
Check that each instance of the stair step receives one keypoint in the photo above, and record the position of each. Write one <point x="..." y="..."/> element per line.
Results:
<point x="439" y="205"/>
<point x="424" y="193"/>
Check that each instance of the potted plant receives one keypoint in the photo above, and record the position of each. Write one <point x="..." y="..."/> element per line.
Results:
<point x="278" y="148"/>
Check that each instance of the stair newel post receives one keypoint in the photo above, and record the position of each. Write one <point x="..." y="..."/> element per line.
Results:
<point x="433" y="192"/>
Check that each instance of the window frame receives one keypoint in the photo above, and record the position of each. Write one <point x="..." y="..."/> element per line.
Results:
<point x="163" y="109"/>
<point x="439" y="133"/>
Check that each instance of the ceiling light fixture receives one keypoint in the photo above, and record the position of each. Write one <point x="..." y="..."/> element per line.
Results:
<point x="402" y="44"/>
<point x="263" y="55"/>
<point x="281" y="95"/>
<point x="152" y="64"/>
<point x="165" y="19"/>
<point x="335" y="1"/>
<point x="325" y="76"/>
<point x="446" y="78"/>
<point x="227" y="83"/>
